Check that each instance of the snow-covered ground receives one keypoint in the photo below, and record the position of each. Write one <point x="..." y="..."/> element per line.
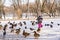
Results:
<point x="46" y="33"/>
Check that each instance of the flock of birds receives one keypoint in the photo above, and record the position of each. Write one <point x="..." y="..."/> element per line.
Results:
<point x="24" y="33"/>
<point x="17" y="31"/>
<point x="51" y="24"/>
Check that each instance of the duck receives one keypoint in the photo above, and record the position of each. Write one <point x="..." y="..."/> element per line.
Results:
<point x="58" y="24"/>
<point x="20" y="24"/>
<point x="15" y="25"/>
<point x="51" y="26"/>
<point x="25" y="27"/>
<point x="10" y="23"/>
<point x="47" y="24"/>
<point x="38" y="30"/>
<point x="36" y="35"/>
<point x="24" y="23"/>
<point x="5" y="26"/>
<point x="33" y="23"/>
<point x="52" y="22"/>
<point x="12" y="30"/>
<point x="31" y="29"/>
<point x="36" y="22"/>
<point x="18" y="31"/>
<point x="25" y="34"/>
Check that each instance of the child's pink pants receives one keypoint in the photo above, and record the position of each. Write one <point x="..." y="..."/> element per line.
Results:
<point x="40" y="25"/>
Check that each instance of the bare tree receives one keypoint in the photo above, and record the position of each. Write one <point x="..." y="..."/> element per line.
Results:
<point x="17" y="8"/>
<point x="2" y="8"/>
<point x="53" y="8"/>
<point x="45" y="8"/>
<point x="37" y="6"/>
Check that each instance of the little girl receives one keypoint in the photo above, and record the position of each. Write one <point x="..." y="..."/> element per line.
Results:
<point x="39" y="26"/>
<point x="39" y="23"/>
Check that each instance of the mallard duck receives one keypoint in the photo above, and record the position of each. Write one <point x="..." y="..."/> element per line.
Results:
<point x="31" y="29"/>
<point x="10" y="23"/>
<point x="25" y="27"/>
<point x="36" y="35"/>
<point x="20" y="24"/>
<point x="36" y="22"/>
<point x="18" y="31"/>
<point x="38" y="30"/>
<point x="33" y="23"/>
<point x="52" y="22"/>
<point x="25" y="34"/>
<point x="24" y="23"/>
<point x="12" y="30"/>
<point x="51" y="26"/>
<point x="5" y="26"/>
<point x="58" y="24"/>
<point x="15" y="25"/>
<point x="47" y="24"/>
